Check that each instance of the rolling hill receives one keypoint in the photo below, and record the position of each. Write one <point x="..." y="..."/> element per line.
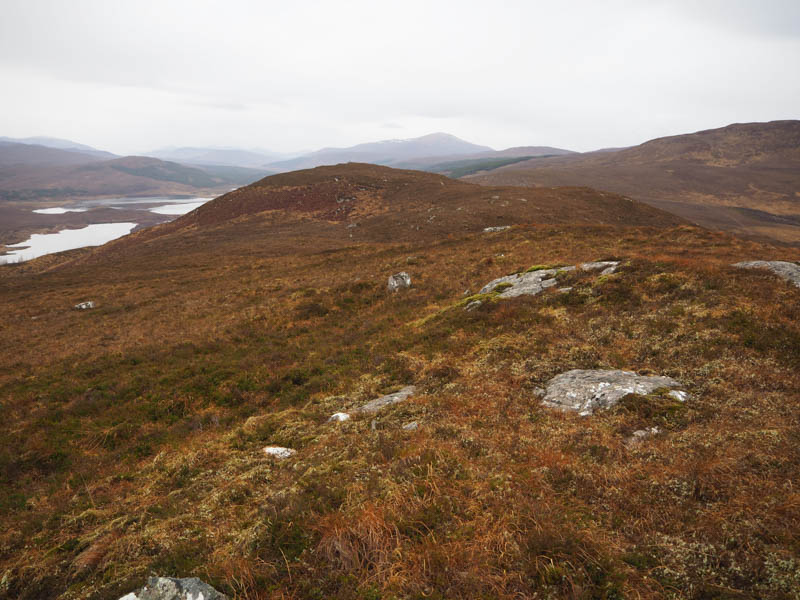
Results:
<point x="358" y="202"/>
<point x="13" y="154"/>
<point x="742" y="178"/>
<point x="60" y="144"/>
<point x="57" y="175"/>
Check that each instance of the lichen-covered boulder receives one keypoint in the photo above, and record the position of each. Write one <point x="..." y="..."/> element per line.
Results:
<point x="787" y="270"/>
<point x="523" y="284"/>
<point x="585" y="391"/>
<point x="399" y="281"/>
<point x="168" y="588"/>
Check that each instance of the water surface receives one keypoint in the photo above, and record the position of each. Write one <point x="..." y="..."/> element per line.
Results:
<point x="40" y="244"/>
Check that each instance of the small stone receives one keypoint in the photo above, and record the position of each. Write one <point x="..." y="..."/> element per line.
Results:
<point x="607" y="266"/>
<point x="399" y="281"/>
<point x="493" y="229"/>
<point x="564" y="290"/>
<point x="679" y="395"/>
<point x="413" y="426"/>
<point x="85" y="305"/>
<point x="473" y="305"/>
<point x="339" y="417"/>
<point x="640" y="435"/>
<point x="279" y="452"/>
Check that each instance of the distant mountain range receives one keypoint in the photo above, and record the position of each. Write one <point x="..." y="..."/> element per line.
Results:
<point x="45" y="168"/>
<point x="743" y="178"/>
<point x="387" y="152"/>
<point x="38" y="173"/>
<point x="218" y="156"/>
<point x="60" y="144"/>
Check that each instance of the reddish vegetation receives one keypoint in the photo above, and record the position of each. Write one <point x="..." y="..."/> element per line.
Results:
<point x="133" y="432"/>
<point x="742" y="178"/>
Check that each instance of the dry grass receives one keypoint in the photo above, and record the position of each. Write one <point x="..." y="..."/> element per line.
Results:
<point x="132" y="433"/>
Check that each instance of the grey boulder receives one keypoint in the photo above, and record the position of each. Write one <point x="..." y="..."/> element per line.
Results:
<point x="168" y="588"/>
<point x="786" y="270"/>
<point x="584" y="391"/>
<point x="524" y="284"/>
<point x="399" y="281"/>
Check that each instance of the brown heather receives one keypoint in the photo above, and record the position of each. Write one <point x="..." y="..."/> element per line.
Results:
<point x="132" y="433"/>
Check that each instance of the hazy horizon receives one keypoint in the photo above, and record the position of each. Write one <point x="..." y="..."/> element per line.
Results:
<point x="132" y="78"/>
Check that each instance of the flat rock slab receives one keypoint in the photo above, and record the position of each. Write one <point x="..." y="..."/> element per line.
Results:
<point x="524" y="284"/>
<point x="374" y="406"/>
<point x="378" y="404"/>
<point x="534" y="282"/>
<point x="168" y="588"/>
<point x="585" y="391"/>
<point x="787" y="270"/>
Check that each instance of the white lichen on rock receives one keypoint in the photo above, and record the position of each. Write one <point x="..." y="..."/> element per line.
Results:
<point x="585" y="391"/>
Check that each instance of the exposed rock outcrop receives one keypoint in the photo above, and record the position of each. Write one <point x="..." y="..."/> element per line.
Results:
<point x="585" y="391"/>
<point x="536" y="280"/>
<point x="787" y="270"/>
<point x="168" y="588"/>
<point x="498" y="228"/>
<point x="399" y="281"/>
<point x="377" y="404"/>
<point x="85" y="305"/>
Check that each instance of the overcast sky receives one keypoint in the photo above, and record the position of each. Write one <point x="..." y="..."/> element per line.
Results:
<point x="584" y="74"/>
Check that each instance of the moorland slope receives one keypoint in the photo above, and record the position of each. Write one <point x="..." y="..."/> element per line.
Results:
<point x="134" y="432"/>
<point x="742" y="178"/>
